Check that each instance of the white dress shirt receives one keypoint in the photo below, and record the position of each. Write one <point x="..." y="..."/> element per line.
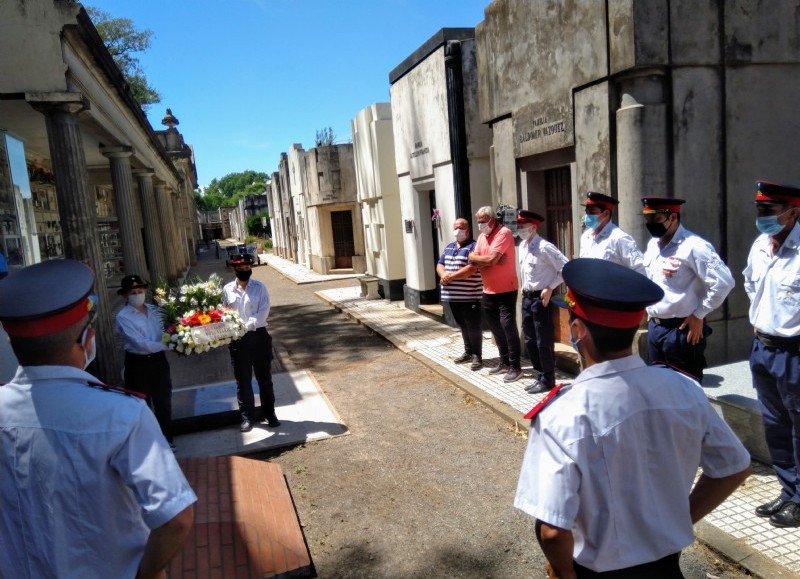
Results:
<point x="252" y="303"/>
<point x="694" y="278"/>
<point x="540" y="264"/>
<point x="614" y="245"/>
<point x="141" y="332"/>
<point x="614" y="457"/>
<point x="85" y="475"/>
<point x="773" y="285"/>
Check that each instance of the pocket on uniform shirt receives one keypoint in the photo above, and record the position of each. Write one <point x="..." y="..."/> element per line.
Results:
<point x="789" y="291"/>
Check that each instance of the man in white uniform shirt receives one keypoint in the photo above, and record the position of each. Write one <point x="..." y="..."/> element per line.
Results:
<point x="251" y="354"/>
<point x="88" y="486"/>
<point x="602" y="239"/>
<point x="772" y="282"/>
<point x="540" y="264"/>
<point x="695" y="282"/>
<point x="609" y="468"/>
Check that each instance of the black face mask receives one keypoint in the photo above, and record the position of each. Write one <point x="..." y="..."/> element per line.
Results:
<point x="244" y="275"/>
<point x="657" y="229"/>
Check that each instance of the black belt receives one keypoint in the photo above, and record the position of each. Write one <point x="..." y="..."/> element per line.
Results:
<point x="533" y="295"/>
<point x="145" y="356"/>
<point x="668" y="322"/>
<point x="779" y="342"/>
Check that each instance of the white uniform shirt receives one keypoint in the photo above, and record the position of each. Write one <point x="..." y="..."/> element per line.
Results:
<point x="614" y="245"/>
<point x="694" y="278"/>
<point x="773" y="285"/>
<point x="141" y="332"/>
<point x="85" y="475"/>
<point x="252" y="303"/>
<point x="540" y="264"/>
<point x="614" y="457"/>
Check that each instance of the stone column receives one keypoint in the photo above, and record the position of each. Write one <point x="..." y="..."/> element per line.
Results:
<point x="167" y="226"/>
<point x="79" y="220"/>
<point x="180" y="233"/>
<point x="152" y="230"/>
<point x="643" y="142"/>
<point x="122" y="180"/>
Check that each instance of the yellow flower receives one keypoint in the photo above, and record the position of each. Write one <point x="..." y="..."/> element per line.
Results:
<point x="204" y="318"/>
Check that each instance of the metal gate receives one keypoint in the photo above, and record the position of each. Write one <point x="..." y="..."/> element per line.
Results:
<point x="343" y="243"/>
<point x="558" y="197"/>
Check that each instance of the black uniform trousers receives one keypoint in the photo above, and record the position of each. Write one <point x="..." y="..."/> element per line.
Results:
<point x="252" y="354"/>
<point x="500" y="312"/>
<point x="668" y="567"/>
<point x="776" y="378"/>
<point x="149" y="374"/>
<point x="539" y="334"/>
<point x="468" y="318"/>
<point x="668" y="344"/>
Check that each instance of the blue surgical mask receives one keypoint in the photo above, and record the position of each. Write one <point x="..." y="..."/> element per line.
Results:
<point x="574" y="343"/>
<point x="769" y="225"/>
<point x="591" y="221"/>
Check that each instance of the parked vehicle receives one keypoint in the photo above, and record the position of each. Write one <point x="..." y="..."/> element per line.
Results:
<point x="249" y="249"/>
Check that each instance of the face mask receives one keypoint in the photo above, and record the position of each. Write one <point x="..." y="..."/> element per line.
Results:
<point x="575" y="343"/>
<point x="524" y="233"/>
<point x="460" y="235"/>
<point x="769" y="225"/>
<point x="244" y="275"/>
<point x="88" y="356"/>
<point x="657" y="229"/>
<point x="136" y="300"/>
<point x="591" y="221"/>
<point x="483" y="228"/>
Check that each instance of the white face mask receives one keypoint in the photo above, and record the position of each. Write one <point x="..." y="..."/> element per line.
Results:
<point x="459" y="234"/>
<point x="136" y="300"/>
<point x="524" y="233"/>
<point x="483" y="228"/>
<point x="88" y="356"/>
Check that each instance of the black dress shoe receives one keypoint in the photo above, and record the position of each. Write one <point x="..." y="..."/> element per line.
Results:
<point x="273" y="422"/>
<point x="770" y="508"/>
<point x="245" y="426"/>
<point x="463" y="358"/>
<point x="788" y="516"/>
<point x="537" y="388"/>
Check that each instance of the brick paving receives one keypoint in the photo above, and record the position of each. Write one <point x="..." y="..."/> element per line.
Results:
<point x="245" y="523"/>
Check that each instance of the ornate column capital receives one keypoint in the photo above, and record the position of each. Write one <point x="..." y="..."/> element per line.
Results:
<point x="117" y="152"/>
<point x="68" y="102"/>
<point x="146" y="172"/>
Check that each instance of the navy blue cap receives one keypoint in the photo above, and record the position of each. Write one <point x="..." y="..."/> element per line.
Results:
<point x="525" y="215"/>
<point x="661" y="205"/>
<point x="46" y="297"/>
<point x="768" y="193"/>
<point x="130" y="282"/>
<point x="241" y="259"/>
<point x="600" y="200"/>
<point x="606" y="293"/>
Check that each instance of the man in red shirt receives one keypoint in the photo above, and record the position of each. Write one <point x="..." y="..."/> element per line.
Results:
<point x="494" y="257"/>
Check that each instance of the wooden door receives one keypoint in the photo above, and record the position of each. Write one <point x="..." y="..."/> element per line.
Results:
<point x="343" y="242"/>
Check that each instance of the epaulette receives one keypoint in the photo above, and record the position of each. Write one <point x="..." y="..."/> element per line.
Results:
<point x="544" y="402"/>
<point x="117" y="389"/>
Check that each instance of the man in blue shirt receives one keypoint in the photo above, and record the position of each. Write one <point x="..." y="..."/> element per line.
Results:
<point x="462" y="288"/>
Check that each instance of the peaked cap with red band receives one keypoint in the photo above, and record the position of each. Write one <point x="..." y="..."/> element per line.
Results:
<point x="594" y="199"/>
<point x="773" y="193"/>
<point x="606" y="293"/>
<point x="524" y="215"/>
<point x="661" y="205"/>
<point x="242" y="259"/>
<point x="46" y="297"/>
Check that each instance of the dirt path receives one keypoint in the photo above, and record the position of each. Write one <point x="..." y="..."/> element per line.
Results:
<point x="423" y="487"/>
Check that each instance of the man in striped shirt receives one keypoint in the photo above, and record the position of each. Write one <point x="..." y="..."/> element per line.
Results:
<point x="462" y="289"/>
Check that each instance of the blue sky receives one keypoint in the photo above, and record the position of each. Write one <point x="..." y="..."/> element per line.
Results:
<point x="247" y="78"/>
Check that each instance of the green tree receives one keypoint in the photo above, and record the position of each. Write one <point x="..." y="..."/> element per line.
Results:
<point x="229" y="189"/>
<point x="124" y="41"/>
<point x="255" y="227"/>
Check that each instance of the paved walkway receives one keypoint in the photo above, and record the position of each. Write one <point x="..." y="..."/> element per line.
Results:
<point x="732" y="529"/>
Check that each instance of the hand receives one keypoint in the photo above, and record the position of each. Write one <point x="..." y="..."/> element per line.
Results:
<point x="445" y="279"/>
<point x="545" y="296"/>
<point x="695" y="333"/>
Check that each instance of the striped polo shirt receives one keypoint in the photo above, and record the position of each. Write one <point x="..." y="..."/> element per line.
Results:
<point x="460" y="290"/>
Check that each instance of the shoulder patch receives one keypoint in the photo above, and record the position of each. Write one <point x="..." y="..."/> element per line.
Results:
<point x="117" y="389"/>
<point x="544" y="402"/>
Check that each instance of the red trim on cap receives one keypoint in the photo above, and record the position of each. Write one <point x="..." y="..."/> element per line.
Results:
<point x="528" y="220"/>
<point x="601" y="316"/>
<point x="604" y="204"/>
<point x="48" y="324"/>
<point x="762" y="197"/>
<point x="661" y="209"/>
